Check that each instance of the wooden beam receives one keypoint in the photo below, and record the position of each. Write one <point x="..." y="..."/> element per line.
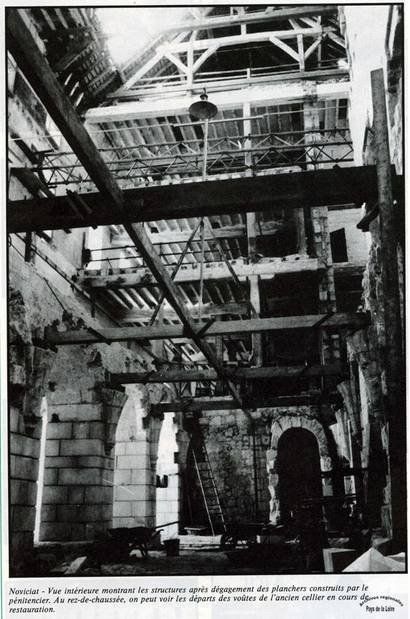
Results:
<point x="243" y="39"/>
<point x="212" y="197"/>
<point x="229" y="327"/>
<point x="204" y="57"/>
<point x="275" y="93"/>
<point x="284" y="47"/>
<point x="213" y="271"/>
<point x="221" y="403"/>
<point x="43" y="81"/>
<point x="316" y="75"/>
<point x="234" y="374"/>
<point x="176" y="61"/>
<point x="274" y="15"/>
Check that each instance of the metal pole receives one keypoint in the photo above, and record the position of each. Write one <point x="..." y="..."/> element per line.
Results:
<point x="206" y="124"/>
<point x="201" y="269"/>
<point x="393" y="361"/>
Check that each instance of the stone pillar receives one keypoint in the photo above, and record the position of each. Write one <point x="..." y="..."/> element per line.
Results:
<point x="136" y="450"/>
<point x="78" y="475"/>
<point x="168" y="496"/>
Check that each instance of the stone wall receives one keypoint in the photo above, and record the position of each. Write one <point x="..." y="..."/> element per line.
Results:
<point x="229" y="443"/>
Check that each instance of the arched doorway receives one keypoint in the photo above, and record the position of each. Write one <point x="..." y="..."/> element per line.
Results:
<point x="298" y="467"/>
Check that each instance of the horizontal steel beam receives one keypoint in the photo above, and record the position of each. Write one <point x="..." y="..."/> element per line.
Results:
<point x="212" y="197"/>
<point x="228" y="327"/>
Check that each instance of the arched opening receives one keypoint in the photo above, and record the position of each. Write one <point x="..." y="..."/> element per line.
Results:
<point x="167" y="479"/>
<point x="298" y="466"/>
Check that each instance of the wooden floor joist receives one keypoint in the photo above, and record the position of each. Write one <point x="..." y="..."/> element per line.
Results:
<point x="39" y="74"/>
<point x="237" y="374"/>
<point x="217" y="404"/>
<point x="228" y="327"/>
<point x="212" y="271"/>
<point x="329" y="187"/>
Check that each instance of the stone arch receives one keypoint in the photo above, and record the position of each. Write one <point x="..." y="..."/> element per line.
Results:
<point x="279" y="425"/>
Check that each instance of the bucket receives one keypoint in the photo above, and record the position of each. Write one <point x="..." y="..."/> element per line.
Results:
<point x="172" y="547"/>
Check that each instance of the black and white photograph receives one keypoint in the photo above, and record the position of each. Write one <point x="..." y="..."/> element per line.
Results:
<point x="205" y="253"/>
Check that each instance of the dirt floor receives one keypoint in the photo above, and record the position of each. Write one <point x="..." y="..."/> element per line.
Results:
<point x="188" y="562"/>
<point x="196" y="555"/>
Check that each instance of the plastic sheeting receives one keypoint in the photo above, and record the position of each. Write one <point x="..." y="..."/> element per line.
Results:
<point x="373" y="561"/>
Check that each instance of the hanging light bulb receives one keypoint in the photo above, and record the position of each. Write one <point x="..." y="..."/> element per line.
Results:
<point x="203" y="109"/>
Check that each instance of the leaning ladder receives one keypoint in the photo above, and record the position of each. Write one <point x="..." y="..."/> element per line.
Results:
<point x="207" y="483"/>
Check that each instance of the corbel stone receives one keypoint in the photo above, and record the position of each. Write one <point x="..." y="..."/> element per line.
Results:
<point x="113" y="401"/>
<point x="30" y="368"/>
<point x="42" y="360"/>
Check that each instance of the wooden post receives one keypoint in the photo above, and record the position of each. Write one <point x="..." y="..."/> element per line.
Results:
<point x="310" y="123"/>
<point x="257" y="352"/>
<point x="251" y="231"/>
<point x="393" y="361"/>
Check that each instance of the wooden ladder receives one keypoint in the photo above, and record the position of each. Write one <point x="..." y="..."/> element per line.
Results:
<point x="207" y="482"/>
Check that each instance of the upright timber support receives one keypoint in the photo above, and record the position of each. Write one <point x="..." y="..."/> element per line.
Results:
<point x="393" y="361"/>
<point x="317" y="233"/>
<point x="310" y="123"/>
<point x="251" y="223"/>
<point x="257" y="352"/>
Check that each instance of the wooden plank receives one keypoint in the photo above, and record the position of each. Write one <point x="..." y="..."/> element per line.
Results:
<point x="229" y="327"/>
<point x="234" y="374"/>
<point x="212" y="197"/>
<point x="43" y="81"/>
<point x="213" y="271"/>
<point x="181" y="236"/>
